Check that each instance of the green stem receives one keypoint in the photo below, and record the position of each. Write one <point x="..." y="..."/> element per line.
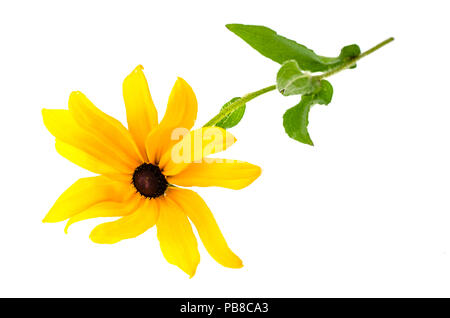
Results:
<point x="248" y="97"/>
<point x="354" y="60"/>
<point x="232" y="107"/>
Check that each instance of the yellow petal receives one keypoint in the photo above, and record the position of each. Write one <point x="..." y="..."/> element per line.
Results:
<point x="179" y="118"/>
<point x="108" y="129"/>
<point x="197" y="210"/>
<point x="194" y="147"/>
<point x="62" y="125"/>
<point x="106" y="209"/>
<point x="83" y="159"/>
<point x="85" y="193"/>
<point x="128" y="226"/>
<point x="225" y="173"/>
<point x="142" y="116"/>
<point x="177" y="241"/>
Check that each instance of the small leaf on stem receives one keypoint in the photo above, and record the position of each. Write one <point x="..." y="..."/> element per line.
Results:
<point x="234" y="117"/>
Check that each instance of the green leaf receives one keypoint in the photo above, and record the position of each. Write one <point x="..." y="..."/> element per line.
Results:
<point x="324" y="94"/>
<point x="281" y="49"/>
<point x="347" y="53"/>
<point x="295" y="119"/>
<point x="292" y="81"/>
<point x="233" y="118"/>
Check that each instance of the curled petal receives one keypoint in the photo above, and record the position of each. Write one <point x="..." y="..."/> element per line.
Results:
<point x="83" y="159"/>
<point x="180" y="116"/>
<point x="85" y="193"/>
<point x="61" y="124"/>
<point x="225" y="173"/>
<point x="197" y="210"/>
<point x="194" y="147"/>
<point x="177" y="241"/>
<point x="106" y="209"/>
<point x="108" y="129"/>
<point x="128" y="226"/>
<point x="142" y="116"/>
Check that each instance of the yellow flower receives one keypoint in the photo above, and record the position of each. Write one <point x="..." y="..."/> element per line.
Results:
<point x="141" y="168"/>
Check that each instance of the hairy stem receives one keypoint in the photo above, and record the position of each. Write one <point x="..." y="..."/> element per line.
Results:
<point x="248" y="97"/>
<point x="354" y="60"/>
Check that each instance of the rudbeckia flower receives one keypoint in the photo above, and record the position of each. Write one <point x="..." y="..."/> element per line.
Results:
<point x="143" y="171"/>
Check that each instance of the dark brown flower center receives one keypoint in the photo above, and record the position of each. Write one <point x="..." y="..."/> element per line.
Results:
<point x="149" y="181"/>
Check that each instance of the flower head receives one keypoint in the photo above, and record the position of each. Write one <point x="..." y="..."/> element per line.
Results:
<point x="143" y="169"/>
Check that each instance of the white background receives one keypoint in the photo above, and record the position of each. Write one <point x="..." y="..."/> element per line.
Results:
<point x="365" y="212"/>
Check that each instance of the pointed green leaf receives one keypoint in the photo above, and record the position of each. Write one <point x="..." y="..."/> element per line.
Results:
<point x="292" y="81"/>
<point x="281" y="49"/>
<point x="233" y="118"/>
<point x="295" y="119"/>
